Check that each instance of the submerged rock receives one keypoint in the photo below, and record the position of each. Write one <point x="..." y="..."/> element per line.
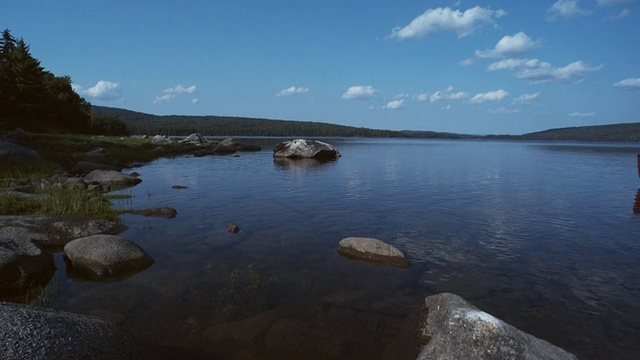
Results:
<point x="23" y="265"/>
<point x="454" y="329"/>
<point x="304" y="148"/>
<point x="101" y="257"/>
<point x="40" y="333"/>
<point x="160" y="212"/>
<point x="372" y="250"/>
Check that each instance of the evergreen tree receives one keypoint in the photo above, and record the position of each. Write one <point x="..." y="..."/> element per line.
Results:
<point x="35" y="98"/>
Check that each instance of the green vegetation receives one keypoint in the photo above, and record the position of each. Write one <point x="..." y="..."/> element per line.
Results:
<point x="45" y="197"/>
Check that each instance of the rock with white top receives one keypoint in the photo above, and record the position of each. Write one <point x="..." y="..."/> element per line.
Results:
<point x="304" y="148"/>
<point x="454" y="329"/>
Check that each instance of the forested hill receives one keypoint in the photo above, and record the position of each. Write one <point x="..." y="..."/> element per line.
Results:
<point x="627" y="132"/>
<point x="141" y="123"/>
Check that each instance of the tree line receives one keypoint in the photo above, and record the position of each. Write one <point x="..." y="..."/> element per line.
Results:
<point x="36" y="100"/>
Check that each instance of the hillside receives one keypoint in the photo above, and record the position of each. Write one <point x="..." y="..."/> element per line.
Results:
<point x="141" y="123"/>
<point x="628" y="132"/>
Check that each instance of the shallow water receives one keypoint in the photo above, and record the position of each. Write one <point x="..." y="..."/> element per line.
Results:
<point x="542" y="235"/>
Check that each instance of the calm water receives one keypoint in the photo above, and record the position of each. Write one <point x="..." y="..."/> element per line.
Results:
<point x="542" y="235"/>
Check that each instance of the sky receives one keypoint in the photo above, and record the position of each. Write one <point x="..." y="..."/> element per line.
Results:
<point x="471" y="67"/>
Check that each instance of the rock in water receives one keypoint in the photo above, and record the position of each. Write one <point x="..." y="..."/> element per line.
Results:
<point x="304" y="148"/>
<point x="372" y="250"/>
<point x="39" y="333"/>
<point x="160" y="212"/>
<point x="100" y="257"/>
<point x="454" y="329"/>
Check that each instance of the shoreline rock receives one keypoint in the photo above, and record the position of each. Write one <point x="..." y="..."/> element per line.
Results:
<point x="452" y="328"/>
<point x="105" y="257"/>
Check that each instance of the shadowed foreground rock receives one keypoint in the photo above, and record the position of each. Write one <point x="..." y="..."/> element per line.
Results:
<point x="304" y="148"/>
<point x="454" y="329"/>
<point x="105" y="257"/>
<point x="372" y="250"/>
<point x="23" y="265"/>
<point x="14" y="152"/>
<point x="47" y="334"/>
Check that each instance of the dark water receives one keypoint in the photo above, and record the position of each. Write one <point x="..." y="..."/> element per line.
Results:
<point x="542" y="235"/>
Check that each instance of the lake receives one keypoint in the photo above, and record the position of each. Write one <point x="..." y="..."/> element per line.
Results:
<point x="542" y="235"/>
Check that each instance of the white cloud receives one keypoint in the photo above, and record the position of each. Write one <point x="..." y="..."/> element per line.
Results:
<point x="502" y="110"/>
<point x="160" y="99"/>
<point x="195" y="100"/>
<point x="540" y="72"/>
<point x="489" y="96"/>
<point x="566" y="9"/>
<point x="421" y="97"/>
<point x="580" y="114"/>
<point x="466" y="62"/>
<point x="446" y="19"/>
<point x="170" y="93"/>
<point x="623" y="14"/>
<point x="102" y="90"/>
<point x="446" y="107"/>
<point x="526" y="98"/>
<point x="394" y="104"/>
<point x="508" y="46"/>
<point x="292" y="91"/>
<point x="359" y="92"/>
<point x="447" y="94"/>
<point x="628" y="84"/>
<point x="179" y="89"/>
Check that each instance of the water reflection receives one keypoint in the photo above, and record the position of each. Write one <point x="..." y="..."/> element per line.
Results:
<point x="300" y="164"/>
<point x="636" y="203"/>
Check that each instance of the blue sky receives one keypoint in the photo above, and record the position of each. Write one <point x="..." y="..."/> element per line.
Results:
<point x="475" y="67"/>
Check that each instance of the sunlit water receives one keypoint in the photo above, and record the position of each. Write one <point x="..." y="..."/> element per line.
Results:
<point x="542" y="235"/>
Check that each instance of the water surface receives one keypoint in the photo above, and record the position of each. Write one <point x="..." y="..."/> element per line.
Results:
<point x="542" y="235"/>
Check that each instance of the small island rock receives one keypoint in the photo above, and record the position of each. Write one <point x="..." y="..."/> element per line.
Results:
<point x="372" y="250"/>
<point x="304" y="148"/>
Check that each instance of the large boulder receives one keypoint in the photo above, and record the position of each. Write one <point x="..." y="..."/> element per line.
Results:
<point x="111" y="180"/>
<point x="454" y="329"/>
<point x="42" y="334"/>
<point x="17" y="153"/>
<point x="373" y="251"/>
<point x="23" y="265"/>
<point x="105" y="257"/>
<point x="304" y="148"/>
<point x="54" y="231"/>
<point x="195" y="138"/>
